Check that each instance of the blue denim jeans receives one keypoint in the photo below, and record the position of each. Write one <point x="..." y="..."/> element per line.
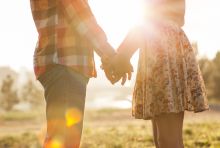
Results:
<point x="65" y="92"/>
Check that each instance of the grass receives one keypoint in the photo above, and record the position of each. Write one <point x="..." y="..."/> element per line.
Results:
<point x="116" y="129"/>
<point x="18" y="115"/>
<point x="26" y="140"/>
<point x="14" y="115"/>
<point x="130" y="133"/>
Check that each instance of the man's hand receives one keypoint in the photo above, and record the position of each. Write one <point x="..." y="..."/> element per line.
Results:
<point x="108" y="72"/>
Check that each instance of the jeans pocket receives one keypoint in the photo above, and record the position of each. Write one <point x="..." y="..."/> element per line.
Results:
<point x="78" y="76"/>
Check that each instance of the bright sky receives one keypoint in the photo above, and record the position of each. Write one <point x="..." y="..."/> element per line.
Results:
<point x="18" y="35"/>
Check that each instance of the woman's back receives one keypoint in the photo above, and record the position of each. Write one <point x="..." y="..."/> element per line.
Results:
<point x="167" y="10"/>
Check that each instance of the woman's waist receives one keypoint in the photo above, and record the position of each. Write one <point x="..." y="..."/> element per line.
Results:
<point x="167" y="19"/>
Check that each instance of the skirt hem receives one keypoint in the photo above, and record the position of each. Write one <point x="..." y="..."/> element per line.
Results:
<point x="151" y="117"/>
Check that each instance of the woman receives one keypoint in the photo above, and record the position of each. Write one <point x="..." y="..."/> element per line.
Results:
<point x="168" y="79"/>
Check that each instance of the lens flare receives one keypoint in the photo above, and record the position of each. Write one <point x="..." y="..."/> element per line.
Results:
<point x="41" y="135"/>
<point x="55" y="143"/>
<point x="73" y="116"/>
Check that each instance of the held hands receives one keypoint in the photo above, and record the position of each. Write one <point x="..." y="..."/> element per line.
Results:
<point x="117" y="68"/>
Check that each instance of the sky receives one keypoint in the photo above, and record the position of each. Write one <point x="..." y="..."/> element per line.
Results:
<point x="18" y="35"/>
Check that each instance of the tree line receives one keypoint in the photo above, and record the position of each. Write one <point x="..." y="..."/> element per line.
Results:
<point x="32" y="92"/>
<point x="12" y="92"/>
<point x="210" y="69"/>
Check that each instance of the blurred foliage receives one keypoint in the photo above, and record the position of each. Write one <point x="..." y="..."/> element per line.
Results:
<point x="26" y="140"/>
<point x="211" y="73"/>
<point x="10" y="97"/>
<point x="15" y="89"/>
<point x="30" y="91"/>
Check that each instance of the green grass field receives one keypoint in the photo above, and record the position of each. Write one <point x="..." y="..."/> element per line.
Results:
<point x="109" y="129"/>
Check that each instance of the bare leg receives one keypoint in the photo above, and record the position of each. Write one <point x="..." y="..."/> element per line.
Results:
<point x="169" y="130"/>
<point x="155" y="133"/>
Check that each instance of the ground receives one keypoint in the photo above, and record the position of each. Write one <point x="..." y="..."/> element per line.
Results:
<point x="109" y="128"/>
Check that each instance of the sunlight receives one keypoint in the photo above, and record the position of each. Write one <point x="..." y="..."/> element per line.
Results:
<point x="73" y="116"/>
<point x="55" y="143"/>
<point x="116" y="17"/>
<point x="135" y="11"/>
<point x="200" y="15"/>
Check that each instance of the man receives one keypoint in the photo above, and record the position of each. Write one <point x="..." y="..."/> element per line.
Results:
<point x="63" y="63"/>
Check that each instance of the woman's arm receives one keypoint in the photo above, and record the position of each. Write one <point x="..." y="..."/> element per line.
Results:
<point x="131" y="43"/>
<point x="120" y="63"/>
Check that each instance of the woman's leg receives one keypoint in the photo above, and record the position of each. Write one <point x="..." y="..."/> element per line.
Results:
<point x="169" y="130"/>
<point x="154" y="127"/>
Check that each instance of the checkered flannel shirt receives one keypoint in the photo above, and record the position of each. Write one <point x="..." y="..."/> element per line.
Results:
<point x="68" y="34"/>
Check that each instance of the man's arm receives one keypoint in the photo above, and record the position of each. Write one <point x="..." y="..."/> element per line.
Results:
<point x="81" y="18"/>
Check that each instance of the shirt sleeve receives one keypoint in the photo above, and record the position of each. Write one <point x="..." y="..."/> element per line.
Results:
<point x="81" y="18"/>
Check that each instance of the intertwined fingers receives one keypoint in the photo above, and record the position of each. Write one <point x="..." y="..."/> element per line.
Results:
<point x="109" y="72"/>
<point x="117" y="68"/>
<point x="126" y="75"/>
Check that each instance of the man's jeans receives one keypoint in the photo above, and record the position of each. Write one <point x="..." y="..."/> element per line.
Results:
<point x="65" y="92"/>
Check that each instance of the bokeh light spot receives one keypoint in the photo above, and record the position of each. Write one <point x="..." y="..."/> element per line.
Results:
<point x="55" y="143"/>
<point x="73" y="116"/>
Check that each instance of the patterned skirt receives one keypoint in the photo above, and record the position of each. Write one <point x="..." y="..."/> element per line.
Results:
<point x="168" y="77"/>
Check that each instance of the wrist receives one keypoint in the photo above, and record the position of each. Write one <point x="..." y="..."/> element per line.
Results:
<point x="124" y="56"/>
<point x="109" y="52"/>
<point x="107" y="57"/>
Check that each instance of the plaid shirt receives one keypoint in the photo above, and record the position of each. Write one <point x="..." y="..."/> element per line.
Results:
<point x="68" y="33"/>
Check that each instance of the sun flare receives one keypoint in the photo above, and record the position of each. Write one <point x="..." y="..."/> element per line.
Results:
<point x="116" y="17"/>
<point x="134" y="11"/>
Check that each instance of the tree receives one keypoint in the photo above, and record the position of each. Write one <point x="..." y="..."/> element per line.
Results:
<point x="216" y="76"/>
<point x="207" y="68"/>
<point x="32" y="93"/>
<point x="9" y="95"/>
